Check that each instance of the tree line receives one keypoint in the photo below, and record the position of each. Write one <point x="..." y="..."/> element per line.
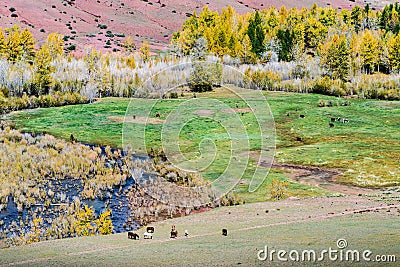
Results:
<point x="347" y="42"/>
<point x="320" y="50"/>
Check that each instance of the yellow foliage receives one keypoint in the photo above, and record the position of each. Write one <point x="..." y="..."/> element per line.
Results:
<point x="278" y="189"/>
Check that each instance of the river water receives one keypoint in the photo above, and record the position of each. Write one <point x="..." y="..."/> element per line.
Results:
<point x="115" y="199"/>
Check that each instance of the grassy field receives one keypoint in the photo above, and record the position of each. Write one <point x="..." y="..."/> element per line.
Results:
<point x="306" y="224"/>
<point x="367" y="149"/>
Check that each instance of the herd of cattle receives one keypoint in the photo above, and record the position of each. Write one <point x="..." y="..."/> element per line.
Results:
<point x="174" y="233"/>
<point x="338" y="119"/>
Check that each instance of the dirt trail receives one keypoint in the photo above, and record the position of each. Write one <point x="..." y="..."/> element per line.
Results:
<point x="321" y="177"/>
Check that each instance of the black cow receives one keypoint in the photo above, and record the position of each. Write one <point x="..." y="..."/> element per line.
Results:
<point x="150" y="229"/>
<point x="132" y="235"/>
<point x="302" y="116"/>
<point x="331" y="125"/>
<point x="224" y="232"/>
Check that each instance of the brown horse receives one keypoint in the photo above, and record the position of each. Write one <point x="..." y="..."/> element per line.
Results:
<point x="174" y="233"/>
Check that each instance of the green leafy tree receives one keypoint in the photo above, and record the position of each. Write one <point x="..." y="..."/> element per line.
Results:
<point x="286" y="42"/>
<point x="256" y="34"/>
<point x="357" y="18"/>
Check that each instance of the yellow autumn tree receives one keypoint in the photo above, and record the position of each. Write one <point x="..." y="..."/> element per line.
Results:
<point x="27" y="44"/>
<point x="42" y="80"/>
<point x="278" y="189"/>
<point x="12" y="48"/>
<point x="145" y="51"/>
<point x="369" y="51"/>
<point x="34" y="235"/>
<point x="246" y="54"/>
<point x="129" y="45"/>
<point x="394" y="52"/>
<point x="2" y="42"/>
<point x="85" y="224"/>
<point x="104" y="223"/>
<point x="55" y="43"/>
<point x="335" y="57"/>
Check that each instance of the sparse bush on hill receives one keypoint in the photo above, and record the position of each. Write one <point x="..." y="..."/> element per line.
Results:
<point x="102" y="26"/>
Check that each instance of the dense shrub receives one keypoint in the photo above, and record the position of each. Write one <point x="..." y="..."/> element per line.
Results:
<point x="44" y="101"/>
<point x="259" y="79"/>
<point x="204" y="76"/>
<point x="71" y="47"/>
<point x="173" y="95"/>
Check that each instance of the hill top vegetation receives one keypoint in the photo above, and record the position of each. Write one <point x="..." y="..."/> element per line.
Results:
<point x="320" y="50"/>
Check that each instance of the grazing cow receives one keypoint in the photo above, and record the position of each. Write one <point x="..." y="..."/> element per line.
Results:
<point x="236" y="105"/>
<point x="158" y="115"/>
<point x="174" y="233"/>
<point x="338" y="119"/>
<point x="150" y="229"/>
<point x="302" y="116"/>
<point x="186" y="233"/>
<point x="132" y="235"/>
<point x="333" y="119"/>
<point x="224" y="232"/>
<point x="331" y="125"/>
<point x="134" y="117"/>
<point x="345" y="120"/>
<point x="288" y="114"/>
<point x="147" y="235"/>
<point x="299" y="139"/>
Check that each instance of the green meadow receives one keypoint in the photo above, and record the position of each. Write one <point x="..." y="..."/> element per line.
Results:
<point x="366" y="149"/>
